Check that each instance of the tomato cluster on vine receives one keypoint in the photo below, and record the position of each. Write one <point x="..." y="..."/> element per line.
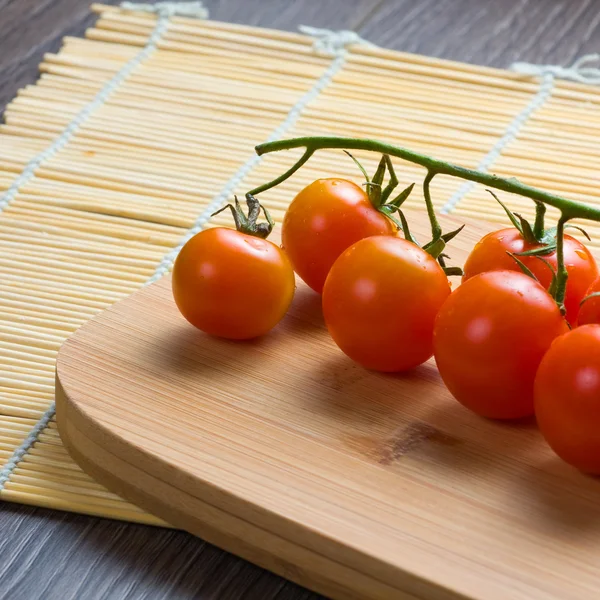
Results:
<point x="520" y="335"/>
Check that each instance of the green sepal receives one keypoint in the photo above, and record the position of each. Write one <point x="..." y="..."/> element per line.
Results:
<point x="452" y="234"/>
<point x="392" y="183"/>
<point x="374" y="186"/>
<point x="452" y="271"/>
<point x="526" y="230"/>
<point x="554" y="281"/>
<point x="435" y="247"/>
<point x="402" y="196"/>
<point x="549" y="237"/>
<point x="523" y="267"/>
<point x="377" y="194"/>
<point x="406" y="230"/>
<point x="581" y="229"/>
<point x="389" y="213"/>
<point x="357" y="163"/>
<point x="380" y="172"/>
<point x="552" y="269"/>
<point x="508" y="212"/>
<point x="593" y="295"/>
<point x="519" y="222"/>
<point x="540" y="251"/>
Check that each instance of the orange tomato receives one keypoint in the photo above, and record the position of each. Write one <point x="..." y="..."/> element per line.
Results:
<point x="324" y="219"/>
<point x="567" y="397"/>
<point x="490" y="254"/>
<point x="489" y="338"/>
<point x="231" y="284"/>
<point x="380" y="301"/>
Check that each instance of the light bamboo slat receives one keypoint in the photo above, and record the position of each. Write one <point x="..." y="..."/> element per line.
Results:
<point x="97" y="218"/>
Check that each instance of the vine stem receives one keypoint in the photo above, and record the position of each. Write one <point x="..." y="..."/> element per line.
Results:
<point x="539" y="225"/>
<point x="569" y="208"/>
<point x="436" y="230"/>
<point x="561" y="271"/>
<point x="267" y="186"/>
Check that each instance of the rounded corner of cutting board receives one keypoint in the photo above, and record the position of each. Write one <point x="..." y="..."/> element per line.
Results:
<point x="90" y="442"/>
<point x="282" y="451"/>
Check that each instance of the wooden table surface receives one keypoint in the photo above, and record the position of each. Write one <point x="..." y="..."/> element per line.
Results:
<point x="55" y="555"/>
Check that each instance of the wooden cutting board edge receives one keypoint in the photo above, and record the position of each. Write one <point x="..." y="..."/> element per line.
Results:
<point x="225" y="530"/>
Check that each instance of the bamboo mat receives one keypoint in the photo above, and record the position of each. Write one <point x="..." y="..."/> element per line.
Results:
<point x="135" y="135"/>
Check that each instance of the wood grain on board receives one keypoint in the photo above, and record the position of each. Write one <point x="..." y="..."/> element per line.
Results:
<point x="53" y="555"/>
<point x="356" y="484"/>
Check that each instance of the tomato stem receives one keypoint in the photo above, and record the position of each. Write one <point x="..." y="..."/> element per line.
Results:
<point x="267" y="186"/>
<point x="539" y="227"/>
<point x="436" y="230"/>
<point x="249" y="223"/>
<point x="377" y="195"/>
<point x="570" y="209"/>
<point x="561" y="271"/>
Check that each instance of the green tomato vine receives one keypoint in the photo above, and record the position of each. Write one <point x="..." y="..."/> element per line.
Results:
<point x="552" y="240"/>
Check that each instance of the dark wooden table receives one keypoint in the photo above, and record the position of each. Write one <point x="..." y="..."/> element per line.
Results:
<point x="54" y="555"/>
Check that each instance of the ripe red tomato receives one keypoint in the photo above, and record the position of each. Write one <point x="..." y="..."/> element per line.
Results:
<point x="490" y="254"/>
<point x="489" y="338"/>
<point x="324" y="219"/>
<point x="589" y="311"/>
<point x="567" y="397"/>
<point x="232" y="284"/>
<point x="380" y="301"/>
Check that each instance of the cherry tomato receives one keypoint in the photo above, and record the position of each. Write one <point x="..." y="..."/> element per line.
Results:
<point x="231" y="284"/>
<point x="380" y="301"/>
<point x="490" y="254"/>
<point x="567" y="397"/>
<point x="589" y="311"/>
<point x="489" y="338"/>
<point x="324" y="219"/>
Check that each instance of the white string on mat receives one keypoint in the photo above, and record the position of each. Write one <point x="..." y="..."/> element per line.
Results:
<point x="578" y="71"/>
<point x="164" y="10"/>
<point x="334" y="48"/>
<point x="169" y="9"/>
<point x="26" y="445"/>
<point x="331" y="43"/>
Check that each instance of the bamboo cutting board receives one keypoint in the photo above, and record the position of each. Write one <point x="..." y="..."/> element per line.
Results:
<point x="355" y="484"/>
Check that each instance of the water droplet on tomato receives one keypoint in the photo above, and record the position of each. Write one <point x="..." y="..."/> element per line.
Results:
<point x="581" y="254"/>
